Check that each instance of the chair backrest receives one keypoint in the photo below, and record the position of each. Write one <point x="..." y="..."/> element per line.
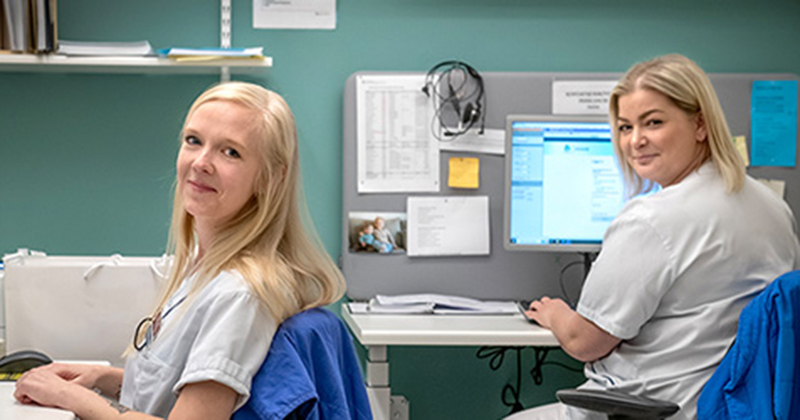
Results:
<point x="310" y="372"/>
<point x="760" y="375"/>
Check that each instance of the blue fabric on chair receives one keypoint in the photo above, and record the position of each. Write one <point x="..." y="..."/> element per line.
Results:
<point x="311" y="372"/>
<point x="758" y="378"/>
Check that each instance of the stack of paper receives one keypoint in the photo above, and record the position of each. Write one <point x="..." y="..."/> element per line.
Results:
<point x="140" y="48"/>
<point x="438" y="304"/>
<point x="208" y="54"/>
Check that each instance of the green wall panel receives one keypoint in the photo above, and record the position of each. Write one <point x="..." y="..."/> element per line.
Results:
<point x="86" y="161"/>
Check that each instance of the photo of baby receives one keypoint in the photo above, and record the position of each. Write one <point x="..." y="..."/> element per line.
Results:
<point x="378" y="232"/>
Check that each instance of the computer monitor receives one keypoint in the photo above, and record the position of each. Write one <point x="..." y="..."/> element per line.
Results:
<point x="563" y="186"/>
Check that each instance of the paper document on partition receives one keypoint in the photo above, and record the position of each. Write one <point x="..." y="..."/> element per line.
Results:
<point x="294" y="14"/>
<point x="588" y="97"/>
<point x="740" y="142"/>
<point x="396" y="149"/>
<point x="449" y="225"/>
<point x="773" y="123"/>
<point x="492" y="141"/>
<point x="776" y="185"/>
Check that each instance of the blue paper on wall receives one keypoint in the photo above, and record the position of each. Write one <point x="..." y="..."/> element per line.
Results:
<point x="773" y="121"/>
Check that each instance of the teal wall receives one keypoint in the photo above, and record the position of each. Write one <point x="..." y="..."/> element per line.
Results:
<point x="86" y="161"/>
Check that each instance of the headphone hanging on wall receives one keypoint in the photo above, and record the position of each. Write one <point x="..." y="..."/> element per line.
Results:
<point x="463" y="98"/>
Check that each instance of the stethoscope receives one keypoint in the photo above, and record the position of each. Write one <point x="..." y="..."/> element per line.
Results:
<point x="148" y="322"/>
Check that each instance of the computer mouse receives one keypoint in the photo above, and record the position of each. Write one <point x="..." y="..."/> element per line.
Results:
<point x="523" y="307"/>
<point x="22" y="361"/>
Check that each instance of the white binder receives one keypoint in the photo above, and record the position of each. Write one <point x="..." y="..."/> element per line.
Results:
<point x="78" y="308"/>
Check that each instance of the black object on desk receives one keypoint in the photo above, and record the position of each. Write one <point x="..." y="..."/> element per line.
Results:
<point x="13" y="365"/>
<point x="523" y="307"/>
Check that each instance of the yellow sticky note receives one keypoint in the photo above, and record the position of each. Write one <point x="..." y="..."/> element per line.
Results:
<point x="741" y="146"/>
<point x="464" y="173"/>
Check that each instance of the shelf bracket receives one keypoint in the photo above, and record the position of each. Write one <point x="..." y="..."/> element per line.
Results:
<point x="225" y="36"/>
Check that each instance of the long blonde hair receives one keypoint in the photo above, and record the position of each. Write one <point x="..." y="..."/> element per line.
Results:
<point x="270" y="241"/>
<point x="687" y="86"/>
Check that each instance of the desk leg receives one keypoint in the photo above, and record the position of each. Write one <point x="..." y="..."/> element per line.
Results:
<point x="377" y="380"/>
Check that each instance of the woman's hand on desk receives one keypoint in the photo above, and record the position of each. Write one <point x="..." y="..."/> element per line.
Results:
<point x="64" y="386"/>
<point x="545" y="310"/>
<point x="105" y="378"/>
<point x="46" y="386"/>
<point x="69" y="386"/>
<point x="579" y="337"/>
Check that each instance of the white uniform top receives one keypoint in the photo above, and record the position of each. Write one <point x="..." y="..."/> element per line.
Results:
<point x="223" y="335"/>
<point x="676" y="269"/>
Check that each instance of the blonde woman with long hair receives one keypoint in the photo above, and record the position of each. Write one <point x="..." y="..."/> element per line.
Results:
<point x="660" y="305"/>
<point x="245" y="259"/>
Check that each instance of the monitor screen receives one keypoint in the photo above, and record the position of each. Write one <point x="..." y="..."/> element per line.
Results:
<point x="563" y="183"/>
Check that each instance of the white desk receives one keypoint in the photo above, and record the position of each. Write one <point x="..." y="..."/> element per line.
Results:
<point x="10" y="409"/>
<point x="376" y="332"/>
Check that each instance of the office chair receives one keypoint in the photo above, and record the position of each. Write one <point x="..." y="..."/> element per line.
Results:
<point x="617" y="405"/>
<point x="310" y="372"/>
<point x="758" y="378"/>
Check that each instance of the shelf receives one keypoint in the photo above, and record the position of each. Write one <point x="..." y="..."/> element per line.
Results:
<point x="136" y="65"/>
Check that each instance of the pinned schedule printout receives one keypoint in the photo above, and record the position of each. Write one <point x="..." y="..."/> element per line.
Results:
<point x="449" y="225"/>
<point x="396" y="149"/>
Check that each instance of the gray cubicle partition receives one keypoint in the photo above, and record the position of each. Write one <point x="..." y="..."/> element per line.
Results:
<point x="502" y="274"/>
